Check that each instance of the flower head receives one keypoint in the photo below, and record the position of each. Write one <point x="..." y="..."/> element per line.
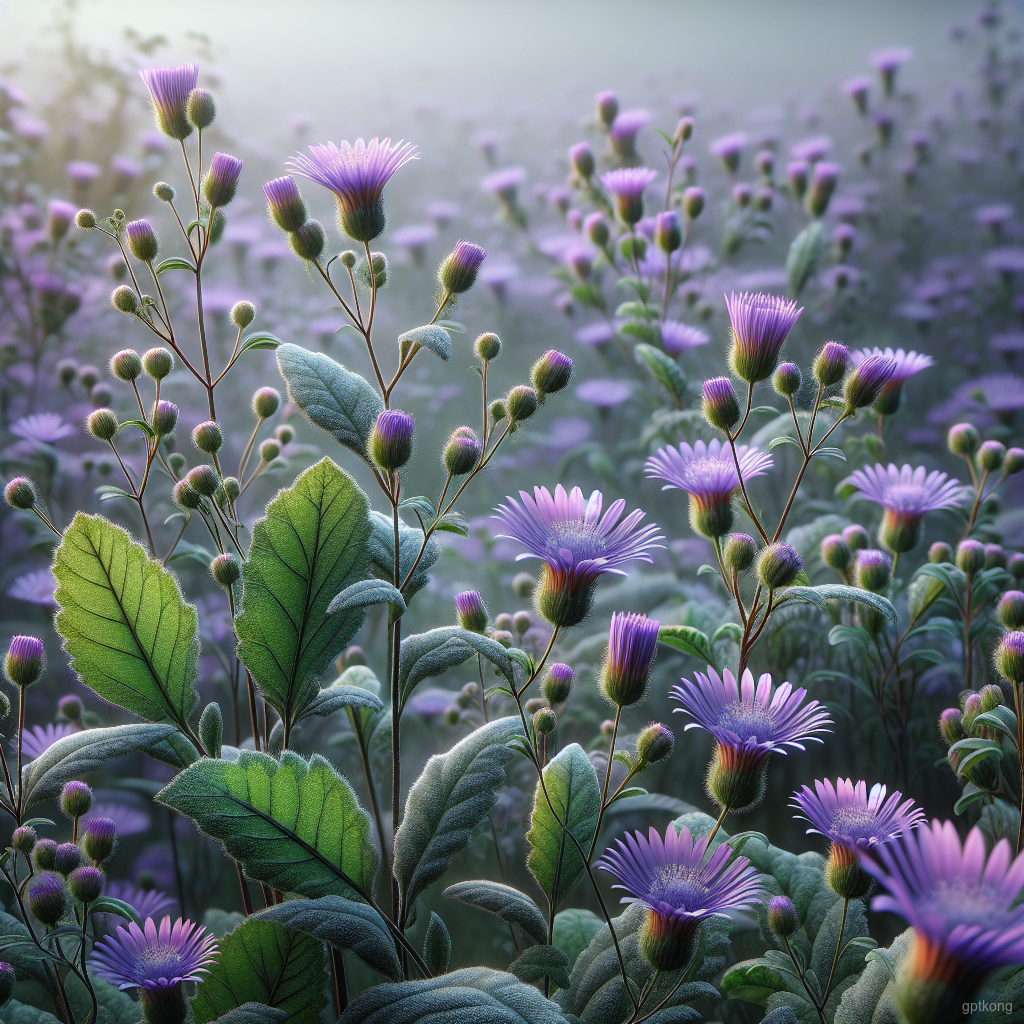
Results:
<point x="627" y="186"/>
<point x="707" y="472"/>
<point x="678" y="337"/>
<point x="632" y="646"/>
<point x="623" y="130"/>
<point x="38" y="739"/>
<point x="728" y="149"/>
<point x="576" y="543"/>
<point x="169" y="89"/>
<point x="867" y="380"/>
<point x="42" y="427"/>
<point x="760" y="325"/>
<point x="907" y="365"/>
<point x="906" y="495"/>
<point x="357" y="176"/>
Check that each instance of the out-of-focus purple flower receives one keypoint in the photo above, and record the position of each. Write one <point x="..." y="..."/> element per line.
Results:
<point x="604" y="394"/>
<point x="993" y="215"/>
<point x="623" y="131"/>
<point x="356" y="174"/>
<point x="1008" y="260"/>
<point x="728" y="149"/>
<point x="678" y="337"/>
<point x="627" y="186"/>
<point x="42" y="427"/>
<point x="59" y="218"/>
<point x="760" y="325"/>
<point x="811" y="150"/>
<point x="129" y="820"/>
<point x="596" y="333"/>
<point x="908" y="363"/>
<point x="169" y="89"/>
<point x="414" y="239"/>
<point x="857" y="89"/>
<point x="82" y="173"/>
<point x="887" y="62"/>
<point x="147" y="902"/>
<point x="442" y="212"/>
<point x="124" y="171"/>
<point x="504" y="184"/>
<point x="38" y="739"/>
<point x="35" y="587"/>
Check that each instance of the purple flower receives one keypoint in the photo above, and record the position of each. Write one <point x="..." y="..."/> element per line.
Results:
<point x="728" y="149"/>
<point x="678" y="337"/>
<point x="442" y="212"/>
<point x="284" y="203"/>
<point x="504" y="183"/>
<point x="414" y="239"/>
<point x="867" y="381"/>
<point x="35" y="587"/>
<point x="857" y="89"/>
<point x="221" y="180"/>
<point x="602" y="393"/>
<point x="357" y="176"/>
<point x="627" y="186"/>
<point x="38" y="739"/>
<point x="622" y="133"/>
<point x="169" y="90"/>
<point x="811" y="150"/>
<point x="147" y="902"/>
<point x="43" y="427"/>
<point x="847" y="814"/>
<point x="632" y="645"/>
<point x="82" y="173"/>
<point x="707" y="472"/>
<point x="993" y="215"/>
<point x="887" y="62"/>
<point x="907" y="365"/>
<point x="576" y="543"/>
<point x="760" y="325"/>
<point x="906" y="495"/>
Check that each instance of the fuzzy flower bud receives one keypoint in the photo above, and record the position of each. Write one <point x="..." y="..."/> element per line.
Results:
<point x="487" y="347"/>
<point x="23" y="662"/>
<point x="782" y="917"/>
<point x="71" y="707"/>
<point x="581" y="156"/>
<point x="497" y="410"/>
<point x="164" y="192"/>
<point x="102" y="424"/>
<point x="186" y="496"/>
<point x="545" y="721"/>
<point x="1010" y="609"/>
<point x="693" y="202"/>
<point x="204" y="480"/>
<point x="44" y="854"/>
<point x="142" y="240"/>
<point x="270" y="449"/>
<point x="221" y="180"/>
<point x="797" y="173"/>
<point x="719" y="403"/>
<point x="963" y="439"/>
<point x="1009" y="657"/>
<point x="823" y="184"/>
<point x="970" y="557"/>
<point x="165" y="417"/>
<point x="940" y="552"/>
<point x="23" y="839"/>
<point x="990" y="456"/>
<point x="86" y="884"/>
<point x="951" y="727"/>
<point x="778" y="565"/>
<point x="863" y="386"/>
<point x="265" y="402"/>
<point x="654" y="744"/>
<point x="308" y="241"/>
<point x="995" y="556"/>
<point x="607" y="107"/>
<point x="872" y="569"/>
<point x="285" y="434"/>
<point x="75" y="799"/>
<point x="85" y="219"/>
<point x="787" y="379"/>
<point x="158" y="363"/>
<point x="126" y="365"/>
<point x="1013" y="461"/>
<point x="66" y="858"/>
<point x="48" y="899"/>
<point x="458" y="270"/>
<point x="830" y="363"/>
<point x="595" y="227"/>
<point x="391" y="439"/>
<point x="208" y="437"/>
<point x="20" y="493"/>
<point x="462" y="452"/>
<point x="521" y="403"/>
<point x="857" y="537"/>
<point x="668" y="233"/>
<point x="242" y="314"/>
<point x="835" y="552"/>
<point x="557" y="685"/>
<point x="200" y="108"/>
<point x="551" y="373"/>
<point x="471" y="611"/>
<point x="285" y="204"/>
<point x="99" y="839"/>
<point x="738" y="553"/>
<point x="224" y="569"/>
<point x="632" y="646"/>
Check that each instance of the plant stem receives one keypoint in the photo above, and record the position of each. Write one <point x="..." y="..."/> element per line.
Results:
<point x="607" y="779"/>
<point x="718" y="825"/>
<point x="835" y="958"/>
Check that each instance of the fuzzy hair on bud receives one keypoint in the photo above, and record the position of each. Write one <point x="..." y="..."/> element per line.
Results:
<point x="24" y="660"/>
<point x="165" y="417"/>
<point x="200" y="108"/>
<point x="738" y="552"/>
<point x="1009" y="657"/>
<point x="719" y="404"/>
<point x="830" y="363"/>
<point x="787" y="379"/>
<point x="551" y="373"/>
<point x="158" y="363"/>
<point x="654" y="744"/>
<point x="221" y="181"/>
<point x="471" y="611"/>
<point x="521" y="403"/>
<point x="391" y="439"/>
<point x="970" y="557"/>
<point x="778" y="565"/>
<point x="461" y="452"/>
<point x="242" y="314"/>
<point x="75" y="799"/>
<point x="308" y="241"/>
<point x="458" y="271"/>
<point x="126" y="365"/>
<point x="20" y="493"/>
<point x="557" y="685"/>
<point x="835" y="552"/>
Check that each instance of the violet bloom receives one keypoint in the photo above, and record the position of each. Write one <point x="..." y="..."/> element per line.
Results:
<point x="728" y="149"/>
<point x="169" y="89"/>
<point x="867" y="381"/>
<point x="906" y="495"/>
<point x="811" y="150"/>
<point x="671" y="879"/>
<point x="504" y="184"/>
<point x="623" y="131"/>
<point x="602" y="393"/>
<point x="678" y="337"/>
<point x="961" y="907"/>
<point x="760" y="325"/>
<point x="632" y="646"/>
<point x="42" y="427"/>
<point x="82" y="173"/>
<point x="857" y="89"/>
<point x="576" y="543"/>
<point x="707" y="472"/>
<point x="887" y="62"/>
<point x="908" y="363"/>
<point x="145" y="902"/>
<point x="357" y="176"/>
<point x="38" y="739"/>
<point x="627" y="186"/>
<point x="414" y="239"/>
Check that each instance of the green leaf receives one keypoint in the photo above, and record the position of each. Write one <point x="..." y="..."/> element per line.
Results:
<point x="1002" y="718"/>
<point x="571" y="785"/>
<point x="174" y="263"/>
<point x="871" y="996"/>
<point x="663" y="369"/>
<point x="922" y="593"/>
<point x="838" y="592"/>
<point x="431" y="336"/>
<point x="830" y="453"/>
<point x="20" y="952"/>
<point x="472" y="994"/>
<point x="970" y="796"/>
<point x="851" y="959"/>
<point x="543" y="961"/>
<point x="253" y="1013"/>
<point x="109" y="905"/>
<point x="783" y="439"/>
<point x="451" y="797"/>
<point x="342" y="695"/>
<point x="849" y="635"/>
<point x="574" y="929"/>
<point x="83" y="752"/>
<point x="264" y="962"/>
<point x="511" y="905"/>
<point x="381" y="549"/>
<point x="130" y="634"/>
<point x="108" y="492"/>
<point x="310" y="546"/>
<point x="753" y="981"/>
<point x="332" y="398"/>
<point x="689" y="640"/>
<point x="22" y="1013"/>
<point x="343" y="924"/>
<point x="804" y="256"/>
<point x="365" y="593"/>
<point x="259" y="340"/>
<point x="728" y="630"/>
<point x="295" y="825"/>
<point x="437" y="946"/>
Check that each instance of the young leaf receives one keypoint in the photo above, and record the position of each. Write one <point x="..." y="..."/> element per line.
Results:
<point x="574" y="930"/>
<point x="310" y="545"/>
<point x="804" y="255"/>
<point x="131" y="636"/>
<point x="571" y="785"/>
<point x="259" y="340"/>
<point x="511" y="905"/>
<point x="174" y="263"/>
<point x="838" y="592"/>
<point x="539" y="961"/>
<point x="753" y="981"/>
<point x="437" y="946"/>
<point x="253" y="1013"/>
<point x="295" y="825"/>
<point x="688" y="640"/>
<point x="663" y="369"/>
<point x="264" y="962"/>
<point x="451" y="797"/>
<point x="381" y="549"/>
<point x="431" y="336"/>
<point x="364" y="594"/>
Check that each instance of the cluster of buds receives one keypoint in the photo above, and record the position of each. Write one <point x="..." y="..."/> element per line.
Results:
<point x="287" y="210"/>
<point x="959" y="726"/>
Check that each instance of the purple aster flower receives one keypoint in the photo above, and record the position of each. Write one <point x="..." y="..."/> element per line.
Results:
<point x="597" y="333"/>
<point x="907" y="365"/>
<point x="604" y="394"/>
<point x="357" y="176"/>
<point x="414" y="239"/>
<point x="169" y="89"/>
<point x="627" y="186"/>
<point x="221" y="180"/>
<point x="147" y="902"/>
<point x="1008" y="260"/>
<point x="887" y="62"/>
<point x="811" y="150"/>
<point x="678" y="337"/>
<point x="867" y="380"/>
<point x="993" y="215"/>
<point x="504" y="184"/>
<point x="728" y="149"/>
<point x="442" y="212"/>
<point x="760" y="325"/>
<point x="707" y="472"/>
<point x="129" y="820"/>
<point x="124" y="172"/>
<point x="35" y="587"/>
<point x="576" y="543"/>
<point x="82" y="173"/>
<point x="961" y="907"/>
<point x="38" y="739"/>
<point x="632" y="646"/>
<point x="623" y="131"/>
<point x="671" y="879"/>
<point x="43" y="427"/>
<point x="906" y="495"/>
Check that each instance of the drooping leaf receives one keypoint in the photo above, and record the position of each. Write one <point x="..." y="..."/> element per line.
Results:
<point x="342" y="695"/>
<point x="343" y="924"/>
<point x="74" y="756"/>
<point x="332" y="398"/>
<point x="264" y="962"/>
<point x="753" y="981"/>
<point x="472" y="994"/>
<point x="663" y="368"/>
<point x="174" y="263"/>
<point x="431" y="336"/>
<point x="295" y="825"/>
<point x="381" y="548"/>
<point x="571" y="786"/>
<point x="253" y="1013"/>
<point x="310" y="546"/>
<point x="364" y="594"/>
<point x="259" y="340"/>
<point x="437" y="946"/>
<point x="689" y="640"/>
<point x="805" y="255"/>
<point x="539" y="961"/>
<point x="839" y="592"/>
<point x="451" y="797"/>
<point x="131" y="636"/>
<point x="574" y="930"/>
<point x="503" y="901"/>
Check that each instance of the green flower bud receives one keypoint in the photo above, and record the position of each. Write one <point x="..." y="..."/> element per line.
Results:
<point x="521" y="403"/>
<point x="557" y="685"/>
<point x="523" y="584"/>
<point x="964" y="440"/>
<point x="857" y="537"/>
<point x="1010" y="609"/>
<point x="266" y="402"/>
<point x="85" y="884"/>
<point x="48" y="899"/>
<point x="497" y="410"/>
<point x="270" y="450"/>
<point x="487" y="347"/>
<point x="232" y="488"/>
<point x="970" y="557"/>
<point x="1009" y="657"/>
<point x="778" y="565"/>
<point x="200" y="108"/>
<point x="126" y="365"/>
<point x="990" y="456"/>
<point x="24" y="660"/>
<point x="940" y="552"/>
<point x="242" y="314"/>
<point x="654" y="744"/>
<point x="20" y="493"/>
<point x="75" y="799"/>
<point x="85" y="219"/>
<point x="551" y="373"/>
<point x="224" y="569"/>
<point x="783" y="919"/>
<point x="186" y="496"/>
<point x="165" y="417"/>
<point x="158" y="363"/>
<point x="204" y="480"/>
<point x="545" y="721"/>
<point x="738" y="553"/>
<point x="835" y="552"/>
<point x="67" y="371"/>
<point x="348" y="259"/>
<point x="208" y="437"/>
<point x="285" y="434"/>
<point x="124" y="299"/>
<point x="462" y="452"/>
<point x="164" y="192"/>
<point x="1013" y="461"/>
<point x="308" y="242"/>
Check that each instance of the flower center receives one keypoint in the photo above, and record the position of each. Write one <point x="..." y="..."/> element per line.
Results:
<point x="746" y="720"/>
<point x="676" y="886"/>
<point x="159" y="962"/>
<point x="856" y="823"/>
<point x="906" y="498"/>
<point x="960" y="904"/>
<point x="572" y="535"/>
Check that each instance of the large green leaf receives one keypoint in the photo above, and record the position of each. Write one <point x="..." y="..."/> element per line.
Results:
<point x="437" y="339"/>
<point x="82" y="752"/>
<point x="130" y="634"/>
<point x="511" y="905"/>
<point x="22" y="1013"/>
<point x="838" y="592"/>
<point x="310" y="546"/>
<point x="344" y="924"/>
<point x="542" y="961"/>
<point x="333" y="398"/>
<point x="264" y="962"/>
<point x="451" y="797"/>
<point x="689" y="640"/>
<point x="295" y="825"/>
<point x="474" y="994"/>
<point x="571" y="786"/>
<point x="253" y="1013"/>
<point x="872" y="996"/>
<point x="804" y="255"/>
<point x="574" y="930"/>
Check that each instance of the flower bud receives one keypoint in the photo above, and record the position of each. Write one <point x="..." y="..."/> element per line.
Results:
<point x="823" y="184"/>
<point x="207" y="437"/>
<point x="48" y="899"/>
<point x="391" y="439"/>
<point x="66" y="858"/>
<point x="544" y="721"/>
<point x="521" y="622"/>
<point x="742" y="194"/>
<point x="285" y="204"/>
<point x="783" y="919"/>
<point x="654" y="744"/>
<point x="872" y="569"/>
<point x="142" y="240"/>
<point x="830" y="363"/>
<point x="164" y="192"/>
<point x="20" y="493"/>
<point x="285" y="434"/>
<point x="67" y="371"/>
<point x="462" y="452"/>
<point x="991" y="697"/>
<point x="471" y="611"/>
<point x="835" y="552"/>
<point x="99" y="839"/>
<point x="200" y="108"/>
<point x="379" y="263"/>
<point x="505" y="638"/>
<point x="595" y="227"/>
<point x="865" y="383"/>
<point x="522" y="585"/>
<point x="632" y="646"/>
<point x="221" y="180"/>
<point x="1015" y="565"/>
<point x="1013" y="461"/>
<point x="797" y="173"/>
<point x="232" y="488"/>
<point x="940" y="552"/>
<point x="270" y="449"/>
<point x="487" y="347"/>
<point x="85" y="219"/>
<point x="951" y="727"/>
<point x="86" y="884"/>
<point x="265" y="403"/>
<point x="224" y="569"/>
<point x="75" y="799"/>
<point x="204" y="480"/>
<point x="786" y="379"/>
<point x="503" y="621"/>
<point x="693" y="202"/>
<point x="44" y="854"/>
<point x="778" y="565"/>
<point x="158" y="363"/>
<point x="23" y="840"/>
<point x="557" y="685"/>
<point x="550" y="373"/>
<point x="102" y="424"/>
<point x="738" y="553"/>
<point x="990" y="456"/>
<point x="8" y="979"/>
<point x="126" y="365"/>
<point x="581" y="157"/>
<point x="995" y="556"/>
<point x="668" y="234"/>
<point x="607" y="107"/>
<point x="497" y="410"/>
<point x="1010" y="609"/>
<point x="23" y="662"/>
<point x="88" y="376"/>
<point x="242" y="314"/>
<point x="100" y="396"/>
<point x="71" y="707"/>
<point x="857" y="537"/>
<point x="521" y="403"/>
<point x="458" y="270"/>
<point x="1009" y="657"/>
<point x="165" y="417"/>
<point x="719" y="403"/>
<point x="964" y="440"/>
<point x="309" y="240"/>
<point x="186" y="496"/>
<point x="844" y="876"/>
<point x="970" y="557"/>
<point x="124" y="299"/>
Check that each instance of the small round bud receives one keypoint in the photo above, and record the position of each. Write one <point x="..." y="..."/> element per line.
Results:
<point x="1015" y="565"/>
<point x="391" y="439"/>
<point x="1010" y="609"/>
<point x="67" y="371"/>
<point x="200" y="108"/>
<point x="1013" y="461"/>
<point x="66" y="858"/>
<point x="124" y="299"/>
<point x="164" y="192"/>
<point x="778" y="565"/>
<point x="265" y="403"/>
<point x="963" y="439"/>
<point x="654" y="744"/>
<point x="457" y="273"/>
<point x="270" y="449"/>
<point x="99" y="839"/>
<point x="242" y="314"/>
<point x="348" y="259"/>
<point x="100" y="396"/>
<point x="48" y="899"/>
<point x="503" y="637"/>
<point x="208" y="437"/>
<point x="990" y="456"/>
<point x="503" y="621"/>
<point x="158" y="363"/>
<point x="940" y="552"/>
<point x="951" y="726"/>
<point x="142" y="241"/>
<point x="668" y="233"/>
<point x="23" y="662"/>
<point x="970" y="557"/>
<point x="23" y="840"/>
<point x="75" y="799"/>
<point x="595" y="227"/>
<point x="462" y="452"/>
<point x="354" y="655"/>
<point x="204" y="480"/>
<point x="186" y="496"/>
<point x="835" y="552"/>
<point x="995" y="556"/>
<point x="684" y="130"/>
<point x="544" y="721"/>
<point x="232" y="488"/>
<point x="738" y="553"/>
<point x="308" y="242"/>
<point x="786" y="379"/>
<point x="523" y="585"/>
<point x="126" y="365"/>
<point x="86" y="884"/>
<point x="487" y="347"/>
<point x="581" y="156"/>
<point x="856" y="537"/>
<point x="557" y="685"/>
<point x="379" y="263"/>
<point x="88" y="376"/>
<point x="497" y="410"/>
<point x="872" y="569"/>
<point x="467" y="695"/>
<point x="607" y="107"/>
<point x="8" y="979"/>
<point x="521" y="622"/>
<point x="224" y="569"/>
<point x="165" y="417"/>
<point x="71" y="707"/>
<point x="607" y="728"/>
<point x="20" y="493"/>
<point x="1009" y="657"/>
<point x="719" y="403"/>
<point x="284" y="204"/>
<point x="221" y="181"/>
<point x="551" y="373"/>
<point x="782" y="917"/>
<point x="471" y="611"/>
<point x="85" y="219"/>
<point x="44" y="854"/>
<point x="285" y="434"/>
<point x="693" y="202"/>
<point x="102" y="424"/>
<point x="521" y="403"/>
<point x="830" y="363"/>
